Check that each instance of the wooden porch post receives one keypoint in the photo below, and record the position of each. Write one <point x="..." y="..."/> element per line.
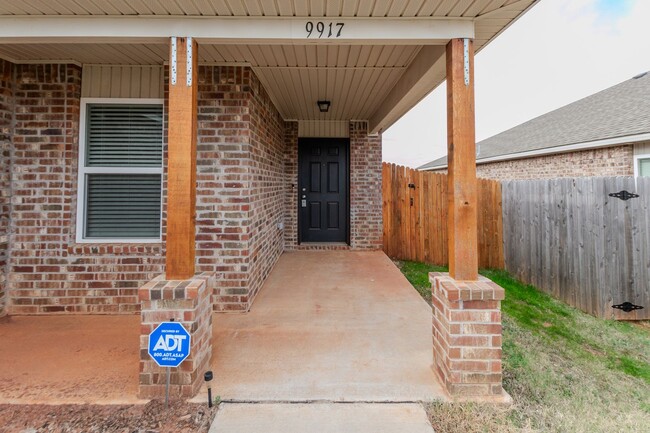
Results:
<point x="461" y="154"/>
<point x="181" y="176"/>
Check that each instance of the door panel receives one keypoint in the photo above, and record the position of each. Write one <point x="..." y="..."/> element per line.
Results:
<point x="333" y="177"/>
<point x="333" y="215"/>
<point x="314" y="177"/>
<point x="314" y="215"/>
<point x="323" y="189"/>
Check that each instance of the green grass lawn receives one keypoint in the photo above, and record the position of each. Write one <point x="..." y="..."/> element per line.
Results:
<point x="566" y="371"/>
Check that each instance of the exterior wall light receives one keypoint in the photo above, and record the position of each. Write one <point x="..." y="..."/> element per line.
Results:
<point x="324" y="106"/>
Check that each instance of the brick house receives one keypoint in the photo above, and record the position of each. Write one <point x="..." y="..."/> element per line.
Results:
<point x="605" y="134"/>
<point x="167" y="153"/>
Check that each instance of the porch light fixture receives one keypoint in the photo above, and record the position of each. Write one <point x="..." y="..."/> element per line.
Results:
<point x="324" y="106"/>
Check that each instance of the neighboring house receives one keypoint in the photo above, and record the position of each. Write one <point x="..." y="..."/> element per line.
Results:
<point x="605" y="134"/>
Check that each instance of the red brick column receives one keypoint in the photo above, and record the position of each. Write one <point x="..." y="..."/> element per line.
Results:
<point x="187" y="302"/>
<point x="467" y="337"/>
<point x="366" y="217"/>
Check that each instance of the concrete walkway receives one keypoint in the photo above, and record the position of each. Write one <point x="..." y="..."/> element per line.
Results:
<point x="328" y="326"/>
<point x="321" y="418"/>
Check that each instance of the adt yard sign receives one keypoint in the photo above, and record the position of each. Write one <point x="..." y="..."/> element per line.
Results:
<point x="169" y="344"/>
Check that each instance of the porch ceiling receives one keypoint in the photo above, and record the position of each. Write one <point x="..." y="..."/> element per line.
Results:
<point x="356" y="78"/>
<point x="379" y="81"/>
<point x="320" y="8"/>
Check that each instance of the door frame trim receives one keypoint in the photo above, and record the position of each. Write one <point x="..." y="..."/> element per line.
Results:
<point x="348" y="166"/>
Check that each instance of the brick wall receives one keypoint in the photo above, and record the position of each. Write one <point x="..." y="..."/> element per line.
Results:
<point x="611" y="161"/>
<point x="366" y="225"/>
<point x="365" y="190"/>
<point x="50" y="273"/>
<point x="223" y="203"/>
<point x="291" y="185"/>
<point x="240" y="191"/>
<point x="267" y="185"/>
<point x="246" y="177"/>
<point x="6" y="132"/>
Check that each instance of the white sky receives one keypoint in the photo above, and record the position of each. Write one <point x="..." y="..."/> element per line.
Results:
<point x="557" y="53"/>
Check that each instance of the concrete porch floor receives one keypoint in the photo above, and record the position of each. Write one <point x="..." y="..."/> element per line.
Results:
<point x="328" y="326"/>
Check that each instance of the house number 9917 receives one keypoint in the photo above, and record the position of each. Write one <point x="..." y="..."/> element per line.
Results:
<point x="323" y="30"/>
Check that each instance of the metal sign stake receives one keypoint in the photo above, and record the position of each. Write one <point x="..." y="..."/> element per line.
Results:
<point x="167" y="388"/>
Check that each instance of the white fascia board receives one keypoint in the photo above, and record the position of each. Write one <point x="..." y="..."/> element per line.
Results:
<point x="424" y="73"/>
<point x="608" y="142"/>
<point x="235" y="30"/>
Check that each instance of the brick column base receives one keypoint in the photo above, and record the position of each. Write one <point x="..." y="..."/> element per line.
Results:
<point x="187" y="302"/>
<point x="467" y="337"/>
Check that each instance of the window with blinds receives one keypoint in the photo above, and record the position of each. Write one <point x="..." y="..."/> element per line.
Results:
<point x="124" y="136"/>
<point x="121" y="171"/>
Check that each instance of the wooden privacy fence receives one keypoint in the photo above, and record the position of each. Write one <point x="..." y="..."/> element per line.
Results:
<point x="570" y="238"/>
<point x="415" y="217"/>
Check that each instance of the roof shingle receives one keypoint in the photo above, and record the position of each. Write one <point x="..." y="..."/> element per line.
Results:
<point x="619" y="111"/>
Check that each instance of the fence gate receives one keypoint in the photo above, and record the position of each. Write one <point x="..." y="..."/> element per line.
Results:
<point x="583" y="240"/>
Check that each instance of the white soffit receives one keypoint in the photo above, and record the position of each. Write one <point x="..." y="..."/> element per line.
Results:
<point x="362" y="81"/>
<point x="285" y="8"/>
<point x="106" y="54"/>
<point x="356" y="79"/>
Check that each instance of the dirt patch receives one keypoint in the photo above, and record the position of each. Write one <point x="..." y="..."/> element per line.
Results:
<point x="153" y="417"/>
<point x="70" y="360"/>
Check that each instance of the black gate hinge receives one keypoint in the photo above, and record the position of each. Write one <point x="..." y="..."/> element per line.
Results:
<point x="627" y="307"/>
<point x="624" y="195"/>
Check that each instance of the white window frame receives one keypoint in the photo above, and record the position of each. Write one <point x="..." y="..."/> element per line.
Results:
<point x="637" y="160"/>
<point x="83" y="171"/>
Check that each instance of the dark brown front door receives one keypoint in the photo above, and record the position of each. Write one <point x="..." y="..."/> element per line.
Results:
<point x="323" y="189"/>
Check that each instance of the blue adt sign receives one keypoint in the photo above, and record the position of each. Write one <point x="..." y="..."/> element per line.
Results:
<point x="169" y="344"/>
